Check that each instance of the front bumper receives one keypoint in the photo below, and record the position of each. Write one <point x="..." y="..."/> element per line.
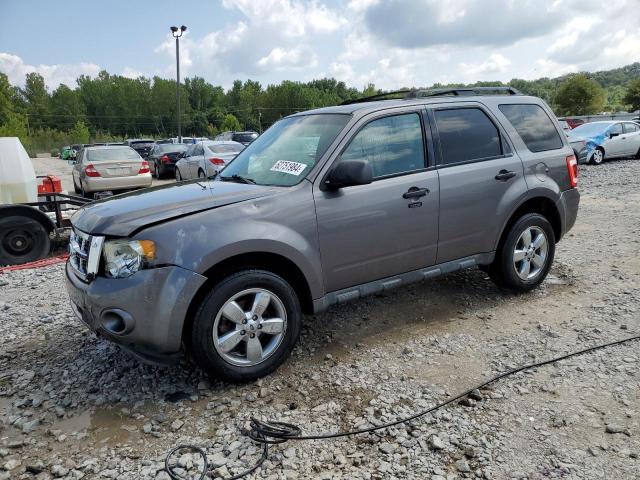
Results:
<point x="154" y="303"/>
<point x="568" y="208"/>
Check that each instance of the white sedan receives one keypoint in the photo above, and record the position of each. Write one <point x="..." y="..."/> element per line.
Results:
<point x="205" y="159"/>
<point x="595" y="141"/>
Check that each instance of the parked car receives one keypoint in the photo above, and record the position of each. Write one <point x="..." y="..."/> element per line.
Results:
<point x="66" y="152"/>
<point x="142" y="146"/>
<point x="564" y="125"/>
<point x="204" y="159"/>
<point x="244" y="138"/>
<point x="595" y="141"/>
<point x="75" y="148"/>
<point x="574" y="122"/>
<point x="324" y="207"/>
<point x="101" y="169"/>
<point x="163" y="157"/>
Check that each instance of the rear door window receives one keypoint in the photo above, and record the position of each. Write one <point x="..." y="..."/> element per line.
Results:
<point x="631" y="128"/>
<point x="533" y="125"/>
<point x="466" y="134"/>
<point x="392" y="145"/>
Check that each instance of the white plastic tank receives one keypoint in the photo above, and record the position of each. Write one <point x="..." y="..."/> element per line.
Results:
<point x="17" y="177"/>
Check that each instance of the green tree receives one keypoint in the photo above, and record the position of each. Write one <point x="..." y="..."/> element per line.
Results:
<point x="79" y="133"/>
<point x="579" y="96"/>
<point x="230" y="122"/>
<point x="6" y="98"/>
<point x="15" y="125"/>
<point x="66" y="107"/>
<point x="37" y="99"/>
<point x="632" y="97"/>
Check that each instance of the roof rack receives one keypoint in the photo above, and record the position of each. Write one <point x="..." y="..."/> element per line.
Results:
<point x="419" y="93"/>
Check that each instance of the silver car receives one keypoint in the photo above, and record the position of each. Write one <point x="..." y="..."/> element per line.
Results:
<point x="109" y="168"/>
<point x="205" y="159"/>
<point x="595" y="141"/>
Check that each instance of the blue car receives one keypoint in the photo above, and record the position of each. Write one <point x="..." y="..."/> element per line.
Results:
<point x="595" y="141"/>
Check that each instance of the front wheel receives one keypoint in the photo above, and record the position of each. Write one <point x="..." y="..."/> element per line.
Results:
<point x="597" y="157"/>
<point x="246" y="326"/>
<point x="525" y="257"/>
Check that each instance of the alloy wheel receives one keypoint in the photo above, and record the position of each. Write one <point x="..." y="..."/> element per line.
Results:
<point x="597" y="156"/>
<point x="249" y="327"/>
<point x="531" y="252"/>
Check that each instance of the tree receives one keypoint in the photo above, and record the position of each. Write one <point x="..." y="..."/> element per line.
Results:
<point x="231" y="123"/>
<point x="6" y="94"/>
<point x="632" y="97"/>
<point x="66" y="107"/>
<point x="15" y="125"/>
<point x="579" y="96"/>
<point x="79" y="133"/>
<point x="37" y="98"/>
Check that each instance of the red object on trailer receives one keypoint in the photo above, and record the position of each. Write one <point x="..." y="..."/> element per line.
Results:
<point x="50" y="184"/>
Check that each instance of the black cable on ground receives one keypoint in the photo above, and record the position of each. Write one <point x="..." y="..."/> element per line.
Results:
<point x="271" y="433"/>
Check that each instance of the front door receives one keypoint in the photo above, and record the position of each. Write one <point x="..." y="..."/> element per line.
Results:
<point x="369" y="232"/>
<point x="479" y="176"/>
<point x="615" y="143"/>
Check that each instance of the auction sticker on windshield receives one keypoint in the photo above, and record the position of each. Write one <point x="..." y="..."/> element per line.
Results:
<point x="285" y="166"/>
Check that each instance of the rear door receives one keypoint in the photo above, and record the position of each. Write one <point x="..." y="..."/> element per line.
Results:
<point x="369" y="232"/>
<point x="631" y="132"/>
<point x="480" y="177"/>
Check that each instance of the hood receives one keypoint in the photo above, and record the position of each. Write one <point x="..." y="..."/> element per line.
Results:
<point x="122" y="215"/>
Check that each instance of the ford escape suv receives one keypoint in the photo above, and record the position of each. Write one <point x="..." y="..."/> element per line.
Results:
<point x="326" y="206"/>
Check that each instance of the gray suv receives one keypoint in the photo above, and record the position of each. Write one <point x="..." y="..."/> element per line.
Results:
<point x="326" y="206"/>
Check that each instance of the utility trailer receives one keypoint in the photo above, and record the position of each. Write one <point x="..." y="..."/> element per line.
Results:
<point x="29" y="213"/>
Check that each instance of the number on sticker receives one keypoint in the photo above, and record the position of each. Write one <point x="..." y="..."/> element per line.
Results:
<point x="285" y="166"/>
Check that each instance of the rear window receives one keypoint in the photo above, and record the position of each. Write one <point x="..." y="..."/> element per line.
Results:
<point x="466" y="134"/>
<point x="228" y="148"/>
<point x="533" y="125"/>
<point x="107" y="154"/>
<point x="244" y="137"/>
<point x="169" y="147"/>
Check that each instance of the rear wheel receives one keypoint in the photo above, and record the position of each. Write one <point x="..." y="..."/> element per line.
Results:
<point x="22" y="240"/>
<point x="84" y="193"/>
<point x="201" y="174"/>
<point x="598" y="156"/>
<point x="178" y="175"/>
<point x="75" y="187"/>
<point x="246" y="326"/>
<point x="525" y="257"/>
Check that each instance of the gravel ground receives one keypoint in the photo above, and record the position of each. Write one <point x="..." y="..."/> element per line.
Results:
<point x="74" y="406"/>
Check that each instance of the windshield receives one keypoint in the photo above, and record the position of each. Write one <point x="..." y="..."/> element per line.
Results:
<point x="225" y="148"/>
<point x="244" y="137"/>
<point x="286" y="152"/>
<point x="107" y="154"/>
<point x="590" y="129"/>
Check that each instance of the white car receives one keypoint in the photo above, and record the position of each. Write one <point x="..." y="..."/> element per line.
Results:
<point x="205" y="159"/>
<point x="593" y="142"/>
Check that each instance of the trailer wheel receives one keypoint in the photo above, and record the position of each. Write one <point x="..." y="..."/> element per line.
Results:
<point x="22" y="240"/>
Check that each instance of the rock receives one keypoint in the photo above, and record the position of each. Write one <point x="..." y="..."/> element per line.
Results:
<point x="435" y="443"/>
<point x="177" y="425"/>
<point x="29" y="427"/>
<point x="387" y="448"/>
<point x="613" y="428"/>
<point x="12" y="463"/>
<point x="59" y="471"/>
<point x="463" y="466"/>
<point x="250" y="397"/>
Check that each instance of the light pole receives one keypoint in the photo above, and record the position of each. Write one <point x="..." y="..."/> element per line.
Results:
<point x="177" y="33"/>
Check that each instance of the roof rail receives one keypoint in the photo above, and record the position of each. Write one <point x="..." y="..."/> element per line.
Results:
<point x="419" y="93"/>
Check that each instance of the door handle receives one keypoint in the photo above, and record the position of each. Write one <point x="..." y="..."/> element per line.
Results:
<point x="415" y="192"/>
<point x="505" y="175"/>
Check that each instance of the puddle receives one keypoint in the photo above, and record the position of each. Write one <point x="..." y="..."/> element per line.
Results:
<point x="102" y="425"/>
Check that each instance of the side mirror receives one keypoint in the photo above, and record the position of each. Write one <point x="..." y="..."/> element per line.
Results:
<point x="348" y="173"/>
<point x="611" y="135"/>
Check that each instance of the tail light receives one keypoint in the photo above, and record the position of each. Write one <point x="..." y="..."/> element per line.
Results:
<point x="165" y="159"/>
<point x="217" y="161"/>
<point x="144" y="168"/>
<point x="90" y="171"/>
<point x="572" y="167"/>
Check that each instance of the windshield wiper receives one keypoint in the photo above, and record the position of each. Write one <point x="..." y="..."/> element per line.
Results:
<point x="237" y="178"/>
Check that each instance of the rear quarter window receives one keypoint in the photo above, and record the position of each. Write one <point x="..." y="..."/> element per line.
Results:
<point x="533" y="125"/>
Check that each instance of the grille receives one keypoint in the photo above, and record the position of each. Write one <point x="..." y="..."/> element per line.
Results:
<point x="84" y="254"/>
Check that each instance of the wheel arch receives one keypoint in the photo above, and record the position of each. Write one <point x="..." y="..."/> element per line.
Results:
<point x="29" y="212"/>
<point x="272" y="262"/>
<point x="539" y="204"/>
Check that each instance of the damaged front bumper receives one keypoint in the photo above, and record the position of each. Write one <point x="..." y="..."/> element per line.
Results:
<point x="144" y="313"/>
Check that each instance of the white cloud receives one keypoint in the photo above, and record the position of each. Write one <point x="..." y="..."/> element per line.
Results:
<point x="281" y="58"/>
<point x="16" y="70"/>
<point x="496" y="63"/>
<point x="132" y="73"/>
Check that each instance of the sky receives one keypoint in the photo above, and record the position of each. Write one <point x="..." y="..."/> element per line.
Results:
<point x="391" y="43"/>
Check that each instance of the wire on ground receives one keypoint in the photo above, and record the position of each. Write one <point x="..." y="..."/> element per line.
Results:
<point x="270" y="432"/>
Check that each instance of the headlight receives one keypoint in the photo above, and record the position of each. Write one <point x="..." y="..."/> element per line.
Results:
<point x="123" y="258"/>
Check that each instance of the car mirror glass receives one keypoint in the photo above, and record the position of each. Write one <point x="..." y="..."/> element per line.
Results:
<point x="348" y="173"/>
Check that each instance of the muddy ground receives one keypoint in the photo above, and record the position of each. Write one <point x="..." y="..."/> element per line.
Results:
<point x="74" y="406"/>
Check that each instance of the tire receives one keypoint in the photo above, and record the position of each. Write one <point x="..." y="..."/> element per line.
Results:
<point x="75" y="187"/>
<point x="234" y="362"/>
<point x="508" y="272"/>
<point x="84" y="193"/>
<point x="178" y="175"/>
<point x="201" y="174"/>
<point x="22" y="240"/>
<point x="598" y="157"/>
<point x="154" y="171"/>
<point x="638" y="154"/>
